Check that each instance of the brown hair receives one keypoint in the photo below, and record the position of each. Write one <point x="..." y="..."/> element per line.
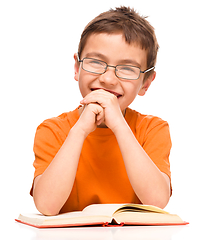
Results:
<point x="136" y="29"/>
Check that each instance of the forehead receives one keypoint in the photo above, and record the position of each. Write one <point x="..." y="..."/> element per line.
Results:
<point x="114" y="49"/>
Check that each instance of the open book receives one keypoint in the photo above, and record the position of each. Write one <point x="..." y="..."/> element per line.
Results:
<point x="104" y="214"/>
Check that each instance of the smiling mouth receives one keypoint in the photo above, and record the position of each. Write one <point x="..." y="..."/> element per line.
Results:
<point x="114" y="93"/>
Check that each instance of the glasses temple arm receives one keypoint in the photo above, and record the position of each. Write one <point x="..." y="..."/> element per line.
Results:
<point x="148" y="70"/>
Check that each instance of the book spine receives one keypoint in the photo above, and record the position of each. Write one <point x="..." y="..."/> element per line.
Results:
<point x="113" y="225"/>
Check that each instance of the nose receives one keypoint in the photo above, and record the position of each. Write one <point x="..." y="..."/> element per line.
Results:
<point x="109" y="77"/>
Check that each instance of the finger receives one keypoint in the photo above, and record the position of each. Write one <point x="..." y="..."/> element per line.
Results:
<point x="100" y="118"/>
<point x="98" y="96"/>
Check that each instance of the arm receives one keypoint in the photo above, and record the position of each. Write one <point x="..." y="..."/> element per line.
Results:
<point x="53" y="187"/>
<point x="149" y="183"/>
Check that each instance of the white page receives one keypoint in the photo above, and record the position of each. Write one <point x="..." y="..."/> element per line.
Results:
<point x="102" y="209"/>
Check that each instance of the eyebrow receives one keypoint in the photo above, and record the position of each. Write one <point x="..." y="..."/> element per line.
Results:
<point x="121" y="62"/>
<point x="131" y="62"/>
<point x="95" y="54"/>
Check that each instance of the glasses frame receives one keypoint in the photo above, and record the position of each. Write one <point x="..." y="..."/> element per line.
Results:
<point x="145" y="71"/>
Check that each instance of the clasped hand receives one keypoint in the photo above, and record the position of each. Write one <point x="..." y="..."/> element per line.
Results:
<point x="100" y="108"/>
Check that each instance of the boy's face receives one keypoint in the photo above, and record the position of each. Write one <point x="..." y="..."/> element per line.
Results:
<point x="112" y="49"/>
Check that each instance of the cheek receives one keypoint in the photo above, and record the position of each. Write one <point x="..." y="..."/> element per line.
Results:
<point x="84" y="82"/>
<point x="131" y="92"/>
<point x="133" y="89"/>
<point x="83" y="87"/>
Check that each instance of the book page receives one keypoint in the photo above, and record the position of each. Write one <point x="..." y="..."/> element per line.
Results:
<point x="140" y="208"/>
<point x="102" y="209"/>
<point x="41" y="218"/>
<point x="147" y="218"/>
<point x="72" y="218"/>
<point x="110" y="209"/>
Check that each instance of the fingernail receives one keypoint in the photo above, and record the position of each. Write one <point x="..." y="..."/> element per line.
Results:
<point x="83" y="101"/>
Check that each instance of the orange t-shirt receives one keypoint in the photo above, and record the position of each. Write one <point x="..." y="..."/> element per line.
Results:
<point x="101" y="175"/>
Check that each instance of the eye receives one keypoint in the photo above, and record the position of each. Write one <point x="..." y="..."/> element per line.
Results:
<point x="127" y="69"/>
<point x="96" y="63"/>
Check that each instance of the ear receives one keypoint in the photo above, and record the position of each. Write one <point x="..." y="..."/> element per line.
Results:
<point x="76" y="67"/>
<point x="147" y="84"/>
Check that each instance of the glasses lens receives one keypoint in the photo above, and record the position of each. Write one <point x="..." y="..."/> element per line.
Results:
<point x="128" y="72"/>
<point x="94" y="66"/>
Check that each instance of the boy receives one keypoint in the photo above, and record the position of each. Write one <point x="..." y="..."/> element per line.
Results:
<point x="104" y="152"/>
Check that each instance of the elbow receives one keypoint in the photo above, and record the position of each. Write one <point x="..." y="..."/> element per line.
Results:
<point x="157" y="199"/>
<point x="45" y="204"/>
<point x="46" y="208"/>
<point x="161" y="204"/>
<point x="158" y="202"/>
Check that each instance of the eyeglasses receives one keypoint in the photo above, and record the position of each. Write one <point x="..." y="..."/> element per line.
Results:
<point x="121" y="71"/>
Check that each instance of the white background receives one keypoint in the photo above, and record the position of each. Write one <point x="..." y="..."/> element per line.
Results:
<point x="37" y="42"/>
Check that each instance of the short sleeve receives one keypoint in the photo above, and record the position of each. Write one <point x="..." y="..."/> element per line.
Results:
<point x="46" y="145"/>
<point x="48" y="140"/>
<point x="157" y="144"/>
<point x="50" y="136"/>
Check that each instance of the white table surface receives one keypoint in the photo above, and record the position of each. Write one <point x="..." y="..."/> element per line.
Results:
<point x="13" y="230"/>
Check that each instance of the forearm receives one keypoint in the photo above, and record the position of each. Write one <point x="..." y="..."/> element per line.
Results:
<point x="147" y="180"/>
<point x="54" y="186"/>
